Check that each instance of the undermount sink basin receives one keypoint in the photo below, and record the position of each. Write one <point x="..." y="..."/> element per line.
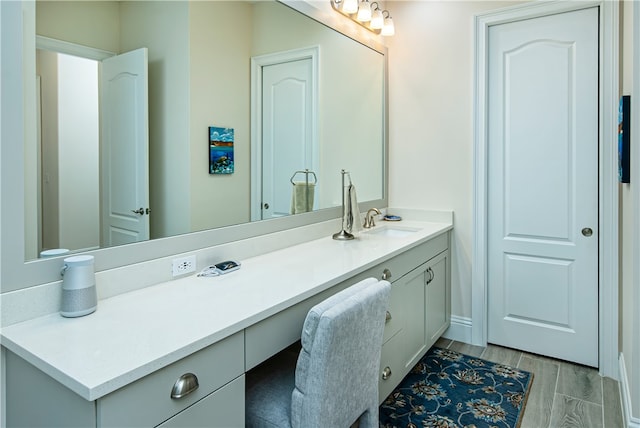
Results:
<point x="393" y="231"/>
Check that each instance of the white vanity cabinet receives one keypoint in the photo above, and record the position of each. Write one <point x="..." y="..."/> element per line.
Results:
<point x="100" y="392"/>
<point x="420" y="310"/>
<point x="214" y="397"/>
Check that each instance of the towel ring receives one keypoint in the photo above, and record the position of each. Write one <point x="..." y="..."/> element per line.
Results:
<point x="306" y="173"/>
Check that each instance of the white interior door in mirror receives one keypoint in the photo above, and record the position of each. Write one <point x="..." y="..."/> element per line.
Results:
<point x="125" y="151"/>
<point x="287" y="139"/>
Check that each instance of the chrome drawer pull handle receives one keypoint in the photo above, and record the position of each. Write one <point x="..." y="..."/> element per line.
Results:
<point x="386" y="274"/>
<point x="386" y="373"/>
<point x="387" y="317"/>
<point x="185" y="385"/>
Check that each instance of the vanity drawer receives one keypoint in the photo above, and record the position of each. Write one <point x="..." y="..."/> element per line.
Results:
<point x="391" y="366"/>
<point x="394" y="318"/>
<point x="403" y="263"/>
<point x="222" y="408"/>
<point x="148" y="401"/>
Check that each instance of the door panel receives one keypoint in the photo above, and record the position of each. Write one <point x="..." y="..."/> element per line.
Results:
<point x="529" y="141"/>
<point x="543" y="185"/>
<point x="414" y="333"/>
<point x="125" y="152"/>
<point x="532" y="277"/>
<point x="287" y="139"/>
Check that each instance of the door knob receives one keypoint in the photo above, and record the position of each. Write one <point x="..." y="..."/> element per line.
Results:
<point x="587" y="231"/>
<point x="265" y="206"/>
<point x="138" y="211"/>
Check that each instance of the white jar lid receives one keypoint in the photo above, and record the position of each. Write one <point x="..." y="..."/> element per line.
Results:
<point x="83" y="260"/>
<point x="54" y="252"/>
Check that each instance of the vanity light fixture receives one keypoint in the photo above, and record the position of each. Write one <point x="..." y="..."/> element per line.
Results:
<point x="369" y="15"/>
<point x="349" y="6"/>
<point x="388" y="29"/>
<point x="364" y="11"/>
<point x="377" y="19"/>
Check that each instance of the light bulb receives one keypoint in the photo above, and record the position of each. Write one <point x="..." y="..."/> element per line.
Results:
<point x="388" y="29"/>
<point x="350" y="6"/>
<point x="364" y="11"/>
<point x="377" y="20"/>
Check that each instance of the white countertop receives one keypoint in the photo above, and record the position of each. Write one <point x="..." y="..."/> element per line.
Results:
<point x="134" y="334"/>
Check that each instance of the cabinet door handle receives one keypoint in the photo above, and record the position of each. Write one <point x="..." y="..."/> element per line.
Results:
<point x="185" y="385"/>
<point x="387" y="317"/>
<point x="431" y="275"/>
<point x="386" y="373"/>
<point x="386" y="274"/>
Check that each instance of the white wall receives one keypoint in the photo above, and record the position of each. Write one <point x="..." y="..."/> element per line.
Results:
<point x="431" y="122"/>
<point x="2" y="372"/>
<point x="629" y="220"/>
<point x="47" y="70"/>
<point x="220" y="47"/>
<point x="167" y="38"/>
<point x="78" y="146"/>
<point x="633" y="322"/>
<point x="89" y="23"/>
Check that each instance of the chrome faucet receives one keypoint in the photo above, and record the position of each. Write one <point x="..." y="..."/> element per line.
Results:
<point x="368" y="218"/>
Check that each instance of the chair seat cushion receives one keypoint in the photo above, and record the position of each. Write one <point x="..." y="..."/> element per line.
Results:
<point x="269" y="388"/>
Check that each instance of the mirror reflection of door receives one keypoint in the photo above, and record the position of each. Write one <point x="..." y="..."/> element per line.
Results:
<point x="70" y="144"/>
<point x="288" y="126"/>
<point x="125" y="149"/>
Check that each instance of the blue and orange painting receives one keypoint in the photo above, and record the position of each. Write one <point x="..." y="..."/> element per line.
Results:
<point x="220" y="150"/>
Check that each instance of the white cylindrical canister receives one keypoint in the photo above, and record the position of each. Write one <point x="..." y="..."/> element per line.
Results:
<point x="54" y="252"/>
<point x="79" y="295"/>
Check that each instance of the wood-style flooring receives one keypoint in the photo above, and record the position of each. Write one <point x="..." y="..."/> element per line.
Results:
<point x="562" y="394"/>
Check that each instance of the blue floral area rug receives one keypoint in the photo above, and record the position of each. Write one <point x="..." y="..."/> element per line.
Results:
<point x="447" y="389"/>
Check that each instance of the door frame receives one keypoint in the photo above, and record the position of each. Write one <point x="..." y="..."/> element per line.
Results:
<point x="607" y="174"/>
<point x="257" y="63"/>
<point x="81" y="51"/>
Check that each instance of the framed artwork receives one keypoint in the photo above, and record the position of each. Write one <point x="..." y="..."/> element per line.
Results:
<point x="624" y="139"/>
<point x="220" y="150"/>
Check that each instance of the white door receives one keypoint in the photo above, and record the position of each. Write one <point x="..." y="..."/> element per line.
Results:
<point x="124" y="151"/>
<point x="287" y="140"/>
<point x="543" y="186"/>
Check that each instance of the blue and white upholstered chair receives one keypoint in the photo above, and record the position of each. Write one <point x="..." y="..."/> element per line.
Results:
<point x="335" y="380"/>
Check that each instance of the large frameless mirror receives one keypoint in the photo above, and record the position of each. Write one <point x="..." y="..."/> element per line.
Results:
<point x="250" y="107"/>
<point x="118" y="165"/>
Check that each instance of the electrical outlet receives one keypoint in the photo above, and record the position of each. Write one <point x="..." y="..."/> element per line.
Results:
<point x="183" y="265"/>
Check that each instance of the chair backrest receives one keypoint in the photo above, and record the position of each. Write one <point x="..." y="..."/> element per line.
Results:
<point x="336" y="377"/>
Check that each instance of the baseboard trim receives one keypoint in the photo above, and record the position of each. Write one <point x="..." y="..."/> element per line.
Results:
<point x="459" y="330"/>
<point x="625" y="396"/>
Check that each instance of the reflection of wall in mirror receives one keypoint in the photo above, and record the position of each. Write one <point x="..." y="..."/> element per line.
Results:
<point x="219" y="93"/>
